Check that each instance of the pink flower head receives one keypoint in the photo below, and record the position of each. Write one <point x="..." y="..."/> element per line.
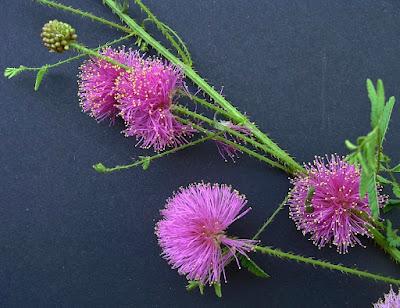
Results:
<point x="145" y="96"/>
<point x="192" y="231"/>
<point x="391" y="300"/>
<point x="227" y="150"/>
<point x="326" y="203"/>
<point x="96" y="82"/>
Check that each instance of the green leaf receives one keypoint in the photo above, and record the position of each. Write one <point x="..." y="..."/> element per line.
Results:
<point x="352" y="158"/>
<point x="385" y="158"/>
<point x="396" y="168"/>
<point x="373" y="198"/>
<point x="370" y="153"/>
<point x="360" y="140"/>
<point x="385" y="119"/>
<point x="100" y="168"/>
<point x="145" y="162"/>
<point x="193" y="284"/>
<point x="380" y="92"/>
<point x="217" y="289"/>
<point x="201" y="288"/>
<point x="391" y="204"/>
<point x="391" y="235"/>
<point x="11" y="72"/>
<point x="252" y="267"/>
<point x="350" y="145"/>
<point x="396" y="190"/>
<point x="367" y="176"/>
<point x="308" y="202"/>
<point x="373" y="97"/>
<point x="383" y="180"/>
<point x="39" y="76"/>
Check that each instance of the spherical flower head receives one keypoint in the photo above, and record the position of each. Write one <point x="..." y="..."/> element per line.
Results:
<point x="391" y="300"/>
<point x="97" y="82"/>
<point x="57" y="36"/>
<point x="145" y="97"/>
<point x="227" y="150"/>
<point x="192" y="232"/>
<point x="326" y="203"/>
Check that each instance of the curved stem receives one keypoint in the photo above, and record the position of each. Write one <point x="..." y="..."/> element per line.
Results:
<point x="352" y="271"/>
<point x="271" y="218"/>
<point x="238" y="117"/>
<point x="103" y="169"/>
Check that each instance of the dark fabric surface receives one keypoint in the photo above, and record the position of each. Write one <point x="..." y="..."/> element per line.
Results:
<point x="70" y="237"/>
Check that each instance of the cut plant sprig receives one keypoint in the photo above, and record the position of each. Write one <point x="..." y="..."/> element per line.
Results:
<point x="234" y="114"/>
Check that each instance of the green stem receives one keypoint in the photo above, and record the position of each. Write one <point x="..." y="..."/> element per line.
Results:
<point x="72" y="10"/>
<point x="233" y="144"/>
<point x="50" y="66"/>
<point x="217" y="125"/>
<point x="238" y="117"/>
<point x="205" y="103"/>
<point x="103" y="169"/>
<point x="352" y="271"/>
<point x="381" y="241"/>
<point x="271" y="218"/>
<point x="82" y="49"/>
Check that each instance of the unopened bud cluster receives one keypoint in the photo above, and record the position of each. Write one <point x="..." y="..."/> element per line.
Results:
<point x="57" y="36"/>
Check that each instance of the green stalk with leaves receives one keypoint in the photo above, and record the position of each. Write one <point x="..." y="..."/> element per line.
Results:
<point x="376" y="168"/>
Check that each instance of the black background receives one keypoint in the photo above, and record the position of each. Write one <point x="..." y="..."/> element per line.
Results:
<point x="70" y="237"/>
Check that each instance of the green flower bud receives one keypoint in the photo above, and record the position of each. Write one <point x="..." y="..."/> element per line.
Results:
<point x="57" y="36"/>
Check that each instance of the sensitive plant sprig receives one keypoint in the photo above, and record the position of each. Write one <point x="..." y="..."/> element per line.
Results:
<point x="233" y="113"/>
<point x="117" y="7"/>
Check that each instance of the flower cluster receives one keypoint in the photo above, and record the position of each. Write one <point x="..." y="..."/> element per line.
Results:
<point x="192" y="232"/>
<point x="142" y="96"/>
<point x="326" y="203"/>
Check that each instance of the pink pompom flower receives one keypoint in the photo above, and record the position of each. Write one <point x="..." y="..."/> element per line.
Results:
<point x="326" y="203"/>
<point x="145" y="97"/>
<point x="192" y="233"/>
<point x="97" y="82"/>
<point x="227" y="150"/>
<point x="391" y="300"/>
